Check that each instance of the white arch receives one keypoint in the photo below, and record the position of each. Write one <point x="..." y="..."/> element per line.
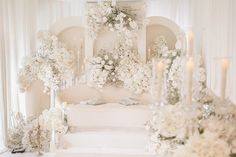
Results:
<point x="159" y="20"/>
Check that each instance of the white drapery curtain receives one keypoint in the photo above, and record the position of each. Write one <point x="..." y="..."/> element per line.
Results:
<point x="214" y="25"/>
<point x="221" y="43"/>
<point x="19" y="22"/>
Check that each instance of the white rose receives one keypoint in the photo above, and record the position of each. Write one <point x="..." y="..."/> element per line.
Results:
<point x="108" y="67"/>
<point x="116" y="56"/>
<point x="165" y="54"/>
<point x="168" y="61"/>
<point x="103" y="62"/>
<point x="98" y="59"/>
<point x="110" y="62"/>
<point x="106" y="57"/>
<point x="174" y="53"/>
<point x="104" y="19"/>
<point x="164" y="48"/>
<point x="133" y="24"/>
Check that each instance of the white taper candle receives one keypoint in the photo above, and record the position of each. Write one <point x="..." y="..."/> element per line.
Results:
<point x="189" y="68"/>
<point x="113" y="3"/>
<point x="153" y="86"/>
<point x="190" y="45"/>
<point x="224" y="69"/>
<point x="160" y="71"/>
<point x="149" y="53"/>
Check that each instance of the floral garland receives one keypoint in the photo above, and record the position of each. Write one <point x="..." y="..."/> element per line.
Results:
<point x="105" y="15"/>
<point x="52" y="64"/>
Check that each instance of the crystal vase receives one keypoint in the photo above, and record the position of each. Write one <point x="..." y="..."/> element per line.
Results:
<point x="52" y="98"/>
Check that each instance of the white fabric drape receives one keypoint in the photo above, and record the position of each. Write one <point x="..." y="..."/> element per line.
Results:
<point x="220" y="43"/>
<point x="180" y="11"/>
<point x="214" y="25"/>
<point x="19" y="22"/>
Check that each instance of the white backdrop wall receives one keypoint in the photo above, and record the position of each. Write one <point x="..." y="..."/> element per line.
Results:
<point x="211" y="20"/>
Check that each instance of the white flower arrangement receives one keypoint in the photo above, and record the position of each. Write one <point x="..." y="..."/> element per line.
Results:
<point x="169" y="128"/>
<point x="177" y="130"/>
<point x="15" y="135"/>
<point x="122" y="68"/>
<point x="136" y="77"/>
<point x="52" y="64"/>
<point x="103" y="69"/>
<point x="206" y="145"/>
<point x="106" y="16"/>
<point x="160" y="47"/>
<point x="173" y="80"/>
<point x="201" y="93"/>
<point x="173" y="69"/>
<point x="34" y="133"/>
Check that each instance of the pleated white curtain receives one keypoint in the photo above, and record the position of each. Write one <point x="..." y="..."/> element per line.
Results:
<point x="221" y="43"/>
<point x="214" y="25"/>
<point x="180" y="11"/>
<point x="19" y="22"/>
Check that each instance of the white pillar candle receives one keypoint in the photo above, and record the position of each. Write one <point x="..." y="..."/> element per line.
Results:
<point x="113" y="3"/>
<point x="160" y="70"/>
<point x="189" y="68"/>
<point x="149" y="53"/>
<point x="79" y="63"/>
<point x="153" y="76"/>
<point x="224" y="69"/>
<point x="190" y="45"/>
